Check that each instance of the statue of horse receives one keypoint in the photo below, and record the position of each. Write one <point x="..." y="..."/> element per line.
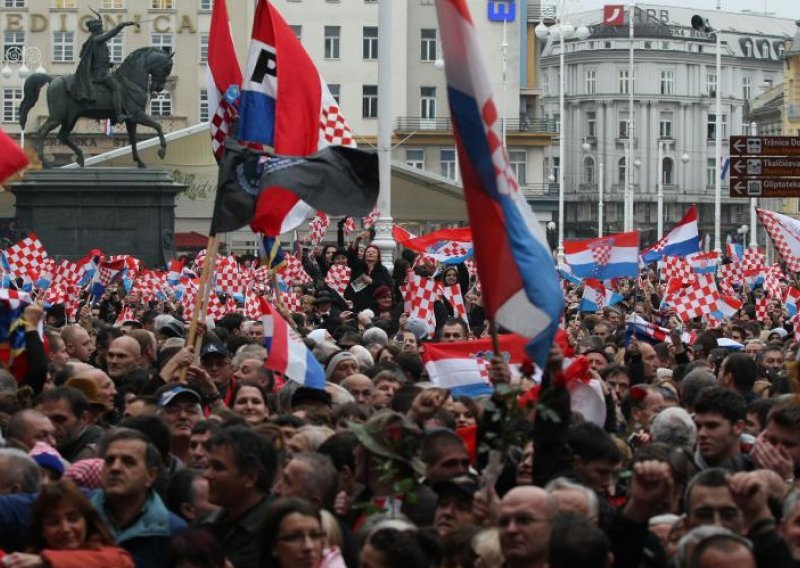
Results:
<point x="142" y="73"/>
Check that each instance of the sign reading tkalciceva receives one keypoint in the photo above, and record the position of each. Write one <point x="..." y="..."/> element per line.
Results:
<point x="765" y="166"/>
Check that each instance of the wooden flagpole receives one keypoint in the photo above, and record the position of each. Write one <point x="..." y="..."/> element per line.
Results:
<point x="201" y="302"/>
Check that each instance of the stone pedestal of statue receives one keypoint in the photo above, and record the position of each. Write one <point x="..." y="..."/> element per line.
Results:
<point x="118" y="210"/>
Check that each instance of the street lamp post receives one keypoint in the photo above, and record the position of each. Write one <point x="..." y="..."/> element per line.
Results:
<point x="629" y="154"/>
<point x="561" y="32"/>
<point x="22" y="56"/>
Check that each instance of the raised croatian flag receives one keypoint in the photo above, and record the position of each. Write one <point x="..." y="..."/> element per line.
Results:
<point x="224" y="78"/>
<point x="791" y="300"/>
<point x="463" y="366"/>
<point x="604" y="258"/>
<point x="287" y="105"/>
<point x="785" y="234"/>
<point x="450" y="246"/>
<point x="727" y="306"/>
<point x="288" y="354"/>
<point x="521" y="290"/>
<point x="703" y="262"/>
<point x="596" y="296"/>
<point x="682" y="240"/>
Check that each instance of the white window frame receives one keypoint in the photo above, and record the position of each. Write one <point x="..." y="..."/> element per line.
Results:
<point x="427" y="102"/>
<point x="369" y="101"/>
<point x="12" y="97"/>
<point x="336" y="90"/>
<point x="428" y="46"/>
<point x="449" y="164"/>
<point x="590" y="81"/>
<point x="116" y="49"/>
<point x="162" y="4"/>
<point x="415" y="157"/>
<point x="622" y="171"/>
<point x="711" y="125"/>
<point x="12" y="39"/>
<point x="203" y="48"/>
<point x="589" y="173"/>
<point x="665" y="123"/>
<point x="747" y="87"/>
<point x="163" y="40"/>
<point x="204" y="112"/>
<point x="162" y="104"/>
<point x="63" y="47"/>
<point x="518" y="160"/>
<point x="667" y="170"/>
<point x="623" y="81"/>
<point x="332" y="41"/>
<point x="13" y="3"/>
<point x="591" y="124"/>
<point x="369" y="43"/>
<point x="667" y="82"/>
<point x="112" y="5"/>
<point x="63" y="4"/>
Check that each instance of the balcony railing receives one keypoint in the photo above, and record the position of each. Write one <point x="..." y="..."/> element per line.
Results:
<point x="442" y="124"/>
<point x="532" y="190"/>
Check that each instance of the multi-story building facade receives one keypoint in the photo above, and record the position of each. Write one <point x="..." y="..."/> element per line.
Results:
<point x="341" y="36"/>
<point x="674" y="84"/>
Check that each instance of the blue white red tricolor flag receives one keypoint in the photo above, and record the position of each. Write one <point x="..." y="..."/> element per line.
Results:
<point x="288" y="354"/>
<point x="287" y="105"/>
<point x="647" y="331"/>
<point x="734" y="251"/>
<point x="791" y="300"/>
<point x="463" y="366"/>
<point x="521" y="290"/>
<point x="604" y="258"/>
<point x="224" y="78"/>
<point x="683" y="239"/>
<point x="596" y="296"/>
<point x="703" y="262"/>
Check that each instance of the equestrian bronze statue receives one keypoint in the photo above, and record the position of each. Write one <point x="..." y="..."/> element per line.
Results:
<point x="95" y="91"/>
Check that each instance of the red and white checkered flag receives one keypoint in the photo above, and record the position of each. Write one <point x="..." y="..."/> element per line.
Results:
<point x="371" y="219"/>
<point x="772" y="282"/>
<point x="601" y="251"/>
<point x="125" y="314"/>
<point x="292" y="301"/>
<point x="27" y="254"/>
<point x="333" y="128"/>
<point x="726" y="287"/>
<point x="293" y="271"/>
<point x="698" y="297"/>
<point x="732" y="272"/>
<point x="349" y="225"/>
<point x="318" y="228"/>
<point x="676" y="267"/>
<point x="421" y="294"/>
<point x="753" y="263"/>
<point x="216" y="309"/>
<point x="762" y="310"/>
<point x="252" y="304"/>
<point x="228" y="277"/>
<point x="338" y="278"/>
<point x="783" y="230"/>
<point x="453" y="295"/>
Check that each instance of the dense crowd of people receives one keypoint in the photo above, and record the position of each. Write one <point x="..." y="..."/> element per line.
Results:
<point x="125" y="446"/>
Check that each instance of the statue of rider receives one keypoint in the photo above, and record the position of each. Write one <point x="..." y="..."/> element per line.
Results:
<point x="95" y="65"/>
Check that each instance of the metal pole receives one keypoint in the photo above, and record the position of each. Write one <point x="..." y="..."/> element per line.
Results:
<point x="718" y="149"/>
<point x="383" y="228"/>
<point x="753" y="201"/>
<point x="561" y="141"/>
<point x="600" y="204"/>
<point x="504" y="50"/>
<point x="660" y="187"/>
<point x="629" y="157"/>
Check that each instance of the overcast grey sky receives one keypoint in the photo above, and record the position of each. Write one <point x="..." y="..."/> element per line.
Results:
<point x="781" y="8"/>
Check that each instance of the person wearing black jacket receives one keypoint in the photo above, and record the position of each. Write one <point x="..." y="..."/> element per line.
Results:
<point x="368" y="274"/>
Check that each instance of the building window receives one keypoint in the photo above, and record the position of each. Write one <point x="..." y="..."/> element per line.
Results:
<point x="667" y="82"/>
<point x="162" y="4"/>
<point x="369" y="101"/>
<point x="11" y="99"/>
<point x="447" y="158"/>
<point x="545" y="82"/>
<point x="711" y="84"/>
<point x="162" y="104"/>
<point x="711" y="127"/>
<point x="13" y="3"/>
<point x="369" y="43"/>
<point x="711" y="172"/>
<point x="415" y="158"/>
<point x="665" y="126"/>
<point x="624" y="81"/>
<point x="667" y="171"/>
<point x="163" y="41"/>
<point x="591" y="124"/>
<point x="203" y="48"/>
<point x="518" y="160"/>
<point x="588" y="170"/>
<point x="748" y="49"/>
<point x="334" y="89"/>
<point x="747" y="87"/>
<point x="63" y="4"/>
<point x="206" y="4"/>
<point x="115" y="51"/>
<point x="621" y="171"/>
<point x="297" y="30"/>
<point x="204" y="105"/>
<point x="332" y="35"/>
<point x="427" y="44"/>
<point x="63" y="47"/>
<point x="622" y="125"/>
<point x="556" y="168"/>
<point x="427" y="102"/>
<point x="112" y="4"/>
<point x="11" y="42"/>
<point x="590" y="81"/>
